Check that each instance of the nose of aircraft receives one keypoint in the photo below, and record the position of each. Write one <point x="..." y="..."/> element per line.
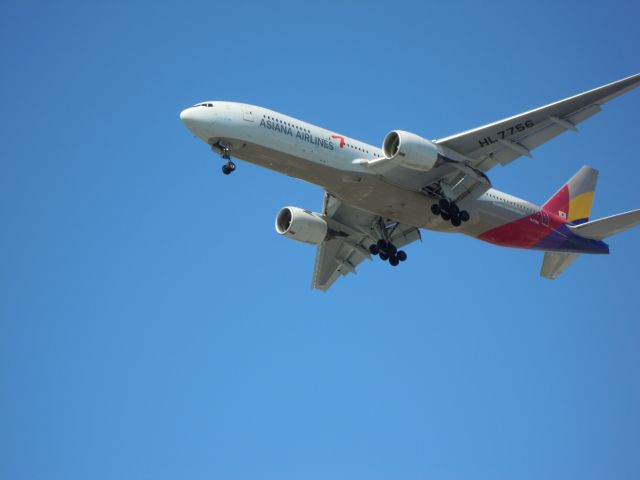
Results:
<point x="187" y="116"/>
<point x="199" y="119"/>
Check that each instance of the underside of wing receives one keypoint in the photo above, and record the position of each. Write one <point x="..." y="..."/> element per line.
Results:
<point x="353" y="231"/>
<point x="503" y="141"/>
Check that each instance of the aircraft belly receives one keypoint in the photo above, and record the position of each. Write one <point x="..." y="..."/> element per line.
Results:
<point x="488" y="216"/>
<point x="361" y="190"/>
<point x="491" y="222"/>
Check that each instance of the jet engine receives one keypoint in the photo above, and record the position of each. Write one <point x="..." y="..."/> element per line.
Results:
<point x="410" y="150"/>
<point x="301" y="225"/>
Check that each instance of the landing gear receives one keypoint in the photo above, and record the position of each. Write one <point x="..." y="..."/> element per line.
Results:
<point x="388" y="251"/>
<point x="384" y="247"/>
<point x="449" y="211"/>
<point x="224" y="149"/>
<point x="228" y="167"/>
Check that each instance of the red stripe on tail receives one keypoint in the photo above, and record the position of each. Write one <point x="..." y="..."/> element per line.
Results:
<point x="559" y="203"/>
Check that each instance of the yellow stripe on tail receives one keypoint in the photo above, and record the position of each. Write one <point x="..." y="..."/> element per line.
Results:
<point x="580" y="206"/>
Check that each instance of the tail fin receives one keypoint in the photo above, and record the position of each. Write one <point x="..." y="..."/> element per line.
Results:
<point x="573" y="201"/>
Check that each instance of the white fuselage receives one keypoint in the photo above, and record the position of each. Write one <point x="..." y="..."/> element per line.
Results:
<point x="330" y="160"/>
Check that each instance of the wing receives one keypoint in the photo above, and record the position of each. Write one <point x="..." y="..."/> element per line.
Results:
<point x="352" y="232"/>
<point x="504" y="141"/>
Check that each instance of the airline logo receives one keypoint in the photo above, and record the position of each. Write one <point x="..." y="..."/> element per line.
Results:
<point x="299" y="135"/>
<point x="339" y="137"/>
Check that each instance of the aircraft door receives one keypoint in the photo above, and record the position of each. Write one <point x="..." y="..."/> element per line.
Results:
<point x="545" y="219"/>
<point x="247" y="114"/>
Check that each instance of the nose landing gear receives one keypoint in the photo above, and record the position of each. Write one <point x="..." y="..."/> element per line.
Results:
<point x="225" y="152"/>
<point x="228" y="167"/>
<point x="449" y="211"/>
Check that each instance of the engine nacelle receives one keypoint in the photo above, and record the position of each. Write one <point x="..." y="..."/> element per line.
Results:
<point x="410" y="150"/>
<point x="301" y="225"/>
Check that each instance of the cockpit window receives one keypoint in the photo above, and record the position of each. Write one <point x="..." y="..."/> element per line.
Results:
<point x="203" y="105"/>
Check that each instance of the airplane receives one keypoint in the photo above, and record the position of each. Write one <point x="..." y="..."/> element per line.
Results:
<point x="376" y="200"/>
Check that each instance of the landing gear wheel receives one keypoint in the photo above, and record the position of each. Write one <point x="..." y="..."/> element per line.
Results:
<point x="444" y="204"/>
<point x="385" y="248"/>
<point x="464" y="216"/>
<point x="228" y="167"/>
<point x="445" y="216"/>
<point x="454" y="210"/>
<point x="435" y="209"/>
<point x="455" y="220"/>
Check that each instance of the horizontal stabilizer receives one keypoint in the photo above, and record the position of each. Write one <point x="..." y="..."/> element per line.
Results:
<point x="555" y="263"/>
<point x="608" y="226"/>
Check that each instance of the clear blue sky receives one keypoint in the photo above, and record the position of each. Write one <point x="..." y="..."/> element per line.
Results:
<point x="154" y="326"/>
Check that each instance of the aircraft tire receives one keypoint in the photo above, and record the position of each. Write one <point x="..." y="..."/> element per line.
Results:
<point x="464" y="216"/>
<point x="435" y="209"/>
<point x="393" y="261"/>
<point x="402" y="256"/>
<point x="455" y="220"/>
<point x="374" y="250"/>
<point x="445" y="216"/>
<point x="384" y="256"/>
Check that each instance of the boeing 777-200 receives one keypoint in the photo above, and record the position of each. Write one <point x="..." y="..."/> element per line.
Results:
<point x="377" y="200"/>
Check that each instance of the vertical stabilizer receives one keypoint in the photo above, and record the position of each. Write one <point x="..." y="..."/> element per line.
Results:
<point x="573" y="201"/>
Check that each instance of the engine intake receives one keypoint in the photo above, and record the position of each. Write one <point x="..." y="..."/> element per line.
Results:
<point x="410" y="150"/>
<point x="301" y="225"/>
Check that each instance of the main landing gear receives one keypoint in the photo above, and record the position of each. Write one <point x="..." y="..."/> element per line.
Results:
<point x="225" y="152"/>
<point x="388" y="251"/>
<point x="449" y="211"/>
